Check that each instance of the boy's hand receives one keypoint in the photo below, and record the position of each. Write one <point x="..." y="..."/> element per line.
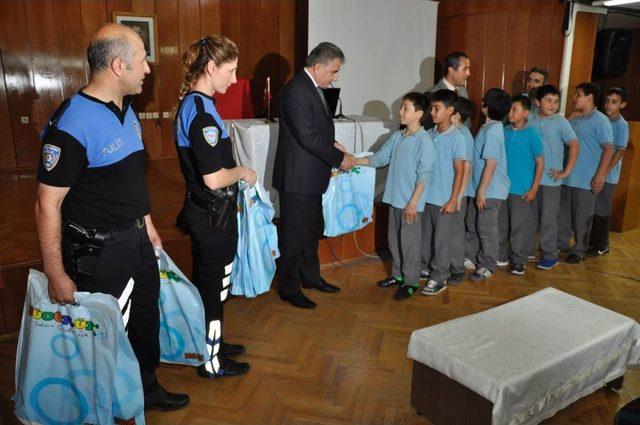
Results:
<point x="557" y="174"/>
<point x="410" y="213"/>
<point x="530" y="195"/>
<point x="597" y="183"/>
<point x="481" y="201"/>
<point x="450" y="207"/>
<point x="459" y="205"/>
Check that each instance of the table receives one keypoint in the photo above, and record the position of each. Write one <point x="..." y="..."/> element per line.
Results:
<point x="520" y="362"/>
<point x="255" y="143"/>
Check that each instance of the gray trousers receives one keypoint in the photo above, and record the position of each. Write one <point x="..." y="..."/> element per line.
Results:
<point x="576" y="212"/>
<point x="458" y="238"/>
<point x="482" y="233"/>
<point x="516" y="228"/>
<point x="548" y="205"/>
<point x="404" y="244"/>
<point x="604" y="200"/>
<point x="436" y="239"/>
<point x="599" y="237"/>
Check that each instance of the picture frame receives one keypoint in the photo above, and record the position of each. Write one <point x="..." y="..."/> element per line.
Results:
<point x="145" y="26"/>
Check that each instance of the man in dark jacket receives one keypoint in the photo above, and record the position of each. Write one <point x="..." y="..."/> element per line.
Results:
<point x="306" y="152"/>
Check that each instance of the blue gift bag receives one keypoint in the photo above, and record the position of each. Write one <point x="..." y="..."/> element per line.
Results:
<point x="182" y="331"/>
<point x="74" y="363"/>
<point x="255" y="262"/>
<point x="347" y="205"/>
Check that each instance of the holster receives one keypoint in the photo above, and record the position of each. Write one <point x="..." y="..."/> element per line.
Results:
<point x="81" y="248"/>
<point x="221" y="205"/>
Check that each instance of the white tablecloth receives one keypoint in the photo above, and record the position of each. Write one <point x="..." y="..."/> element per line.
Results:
<point x="534" y="356"/>
<point x="255" y="142"/>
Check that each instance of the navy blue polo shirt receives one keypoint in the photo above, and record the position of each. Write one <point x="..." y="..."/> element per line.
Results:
<point x="202" y="140"/>
<point x="95" y="149"/>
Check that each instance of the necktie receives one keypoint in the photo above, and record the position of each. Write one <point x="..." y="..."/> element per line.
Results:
<point x="324" y="101"/>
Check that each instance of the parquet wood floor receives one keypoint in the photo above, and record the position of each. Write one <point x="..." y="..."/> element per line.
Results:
<point x="345" y="362"/>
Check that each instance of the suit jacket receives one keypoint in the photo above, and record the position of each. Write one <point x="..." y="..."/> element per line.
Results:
<point x="305" y="152"/>
<point x="462" y="91"/>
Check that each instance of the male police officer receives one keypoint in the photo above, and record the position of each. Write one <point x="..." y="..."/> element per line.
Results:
<point x="92" y="210"/>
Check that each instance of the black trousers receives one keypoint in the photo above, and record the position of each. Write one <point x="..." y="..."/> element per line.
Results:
<point x="129" y="255"/>
<point x="298" y="236"/>
<point x="213" y="253"/>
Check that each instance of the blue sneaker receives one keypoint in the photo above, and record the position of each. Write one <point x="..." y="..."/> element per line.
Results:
<point x="547" y="263"/>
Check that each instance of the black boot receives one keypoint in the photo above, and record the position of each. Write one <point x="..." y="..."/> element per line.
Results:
<point x="228" y="367"/>
<point x="231" y="349"/>
<point x="157" y="398"/>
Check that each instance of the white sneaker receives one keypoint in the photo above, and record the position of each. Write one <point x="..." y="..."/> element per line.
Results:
<point x="502" y="263"/>
<point x="481" y="274"/>
<point x="433" y="288"/>
<point x="469" y="265"/>
<point x="532" y="258"/>
<point x="424" y="274"/>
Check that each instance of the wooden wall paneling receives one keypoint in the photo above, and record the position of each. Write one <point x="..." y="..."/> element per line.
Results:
<point x="286" y="39"/>
<point x="94" y="15"/>
<point x="540" y="34"/>
<point x="625" y="214"/>
<point x="148" y="101"/>
<point x="117" y="6"/>
<point x="7" y="149"/>
<point x="168" y="70"/>
<point x="71" y="50"/>
<point x="210" y="16"/>
<point x="515" y="55"/>
<point x="231" y="27"/>
<point x="44" y="66"/>
<point x="21" y="94"/>
<point x="261" y="57"/>
<point x="188" y="23"/>
<point x="556" y="50"/>
<point x="448" y="8"/>
<point x="584" y="42"/>
<point x="629" y="81"/>
<point x="494" y="58"/>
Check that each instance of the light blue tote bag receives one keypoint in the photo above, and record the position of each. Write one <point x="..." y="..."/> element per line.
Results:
<point x="347" y="204"/>
<point x="255" y="262"/>
<point x="182" y="330"/>
<point x="74" y="363"/>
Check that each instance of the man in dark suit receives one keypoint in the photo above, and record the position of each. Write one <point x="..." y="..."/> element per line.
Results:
<point x="306" y="152"/>
<point x="456" y="70"/>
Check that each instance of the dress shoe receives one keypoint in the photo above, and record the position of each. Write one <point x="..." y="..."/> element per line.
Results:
<point x="574" y="259"/>
<point x="232" y="349"/>
<point x="298" y="300"/>
<point x="161" y="399"/>
<point x="322" y="286"/>
<point x="228" y="367"/>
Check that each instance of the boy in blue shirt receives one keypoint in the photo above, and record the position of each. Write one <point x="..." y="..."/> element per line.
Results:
<point x="615" y="100"/>
<point x="442" y="191"/>
<point x="525" y="164"/>
<point x="490" y="185"/>
<point x="410" y="154"/>
<point x="462" y="111"/>
<point x="580" y="188"/>
<point x="558" y="137"/>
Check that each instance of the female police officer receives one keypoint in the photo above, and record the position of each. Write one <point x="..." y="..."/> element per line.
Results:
<point x="211" y="176"/>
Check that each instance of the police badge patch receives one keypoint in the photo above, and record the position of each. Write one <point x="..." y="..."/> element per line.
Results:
<point x="211" y="135"/>
<point x="50" y="156"/>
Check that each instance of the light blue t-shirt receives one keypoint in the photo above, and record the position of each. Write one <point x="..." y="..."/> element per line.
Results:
<point x="620" y="141"/>
<point x="410" y="159"/>
<point x="556" y="134"/>
<point x="523" y="146"/>
<point x="449" y="148"/>
<point x="593" y="130"/>
<point x="468" y="144"/>
<point x="489" y="144"/>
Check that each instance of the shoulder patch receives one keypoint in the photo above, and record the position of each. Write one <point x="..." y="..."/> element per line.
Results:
<point x="211" y="134"/>
<point x="50" y="156"/>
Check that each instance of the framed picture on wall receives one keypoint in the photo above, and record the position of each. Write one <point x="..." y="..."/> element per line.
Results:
<point x="145" y="26"/>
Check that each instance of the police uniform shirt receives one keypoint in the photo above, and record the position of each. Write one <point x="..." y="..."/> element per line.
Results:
<point x="202" y="140"/>
<point x="96" y="150"/>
